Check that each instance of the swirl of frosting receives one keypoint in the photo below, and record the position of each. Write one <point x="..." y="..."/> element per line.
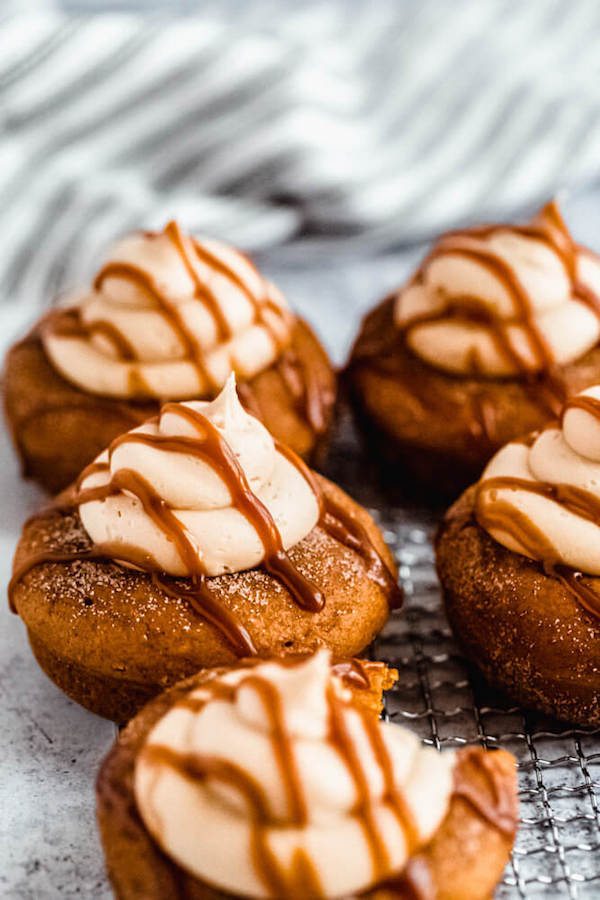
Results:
<point x="275" y="768"/>
<point x="503" y="300"/>
<point x="202" y="489"/>
<point x="543" y="499"/>
<point x="169" y="316"/>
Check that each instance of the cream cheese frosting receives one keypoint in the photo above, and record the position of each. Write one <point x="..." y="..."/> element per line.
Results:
<point x="503" y="300"/>
<point x="171" y="458"/>
<point x="267" y="782"/>
<point x="170" y="316"/>
<point x="542" y="499"/>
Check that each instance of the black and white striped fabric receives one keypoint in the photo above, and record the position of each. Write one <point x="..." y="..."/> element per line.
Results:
<point x="309" y="127"/>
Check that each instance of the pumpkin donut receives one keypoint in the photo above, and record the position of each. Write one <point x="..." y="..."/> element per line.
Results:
<point x="498" y="326"/>
<point x="168" y="317"/>
<point x="194" y="540"/>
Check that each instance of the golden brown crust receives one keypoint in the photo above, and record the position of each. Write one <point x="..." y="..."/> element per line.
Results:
<point x="524" y="630"/>
<point x="428" y="423"/>
<point x="112" y="639"/>
<point x="464" y="861"/>
<point x="58" y="429"/>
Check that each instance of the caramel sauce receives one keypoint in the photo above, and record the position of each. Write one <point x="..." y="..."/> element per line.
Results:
<point x="304" y="389"/>
<point x="298" y="379"/>
<point x="354" y="672"/>
<point x="572" y="580"/>
<point x="300" y="880"/>
<point x="276" y="562"/>
<point x="102" y="552"/>
<point x="202" y="290"/>
<point x="68" y="324"/>
<point x="206" y="604"/>
<point x="210" y="446"/>
<point x="218" y="265"/>
<point x="498" y="808"/>
<point x="169" y="311"/>
<point x="576" y="500"/>
<point x="588" y="404"/>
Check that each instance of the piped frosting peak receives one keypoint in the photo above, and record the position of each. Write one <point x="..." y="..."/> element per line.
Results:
<point x="169" y="316"/>
<point x="274" y="767"/>
<point x="201" y="489"/>
<point x="503" y="300"/>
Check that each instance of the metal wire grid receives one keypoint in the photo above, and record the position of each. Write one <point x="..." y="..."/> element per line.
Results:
<point x="438" y="695"/>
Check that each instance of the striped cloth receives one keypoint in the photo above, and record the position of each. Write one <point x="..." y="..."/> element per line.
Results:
<point x="349" y="126"/>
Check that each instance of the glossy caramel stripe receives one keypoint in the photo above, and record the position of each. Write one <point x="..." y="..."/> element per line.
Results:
<point x="590" y="405"/>
<point x="69" y="324"/>
<point x="213" y="261"/>
<point x="303" y="388"/>
<point x="499" y="811"/>
<point x="392" y="796"/>
<point x="572" y="580"/>
<point x="506" y="275"/>
<point x="144" y="281"/>
<point x="202" y="290"/>
<point x="207" y="606"/>
<point x="300" y="881"/>
<point x="345" y="528"/>
<point x="353" y="672"/>
<point x="576" y="500"/>
<point x="282" y="747"/>
<point x="101" y="552"/>
<point x="341" y="739"/>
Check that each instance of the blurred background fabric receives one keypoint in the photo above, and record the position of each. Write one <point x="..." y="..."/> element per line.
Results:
<point x="311" y="129"/>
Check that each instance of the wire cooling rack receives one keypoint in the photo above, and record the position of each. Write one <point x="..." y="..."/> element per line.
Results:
<point x="442" y="699"/>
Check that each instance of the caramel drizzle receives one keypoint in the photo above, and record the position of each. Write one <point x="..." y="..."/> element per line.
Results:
<point x="302" y="386"/>
<point x="301" y="880"/>
<point x="169" y="311"/>
<point x="67" y="323"/>
<point x="344" y="526"/>
<point x="202" y="291"/>
<point x="503" y="516"/>
<point x="212" y="448"/>
<point x="500" y="810"/>
<point x="304" y="389"/>
<point x="353" y="672"/>
<point x="590" y="405"/>
<point x="219" y="266"/>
